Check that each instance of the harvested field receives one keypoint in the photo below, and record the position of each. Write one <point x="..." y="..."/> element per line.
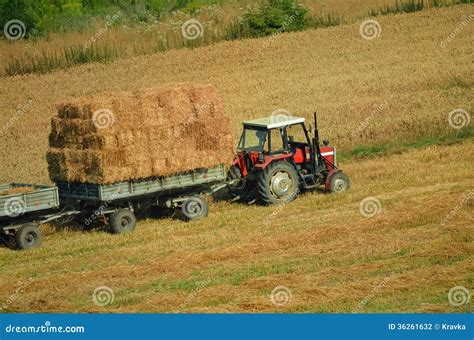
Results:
<point x="332" y="260"/>
<point x="130" y="135"/>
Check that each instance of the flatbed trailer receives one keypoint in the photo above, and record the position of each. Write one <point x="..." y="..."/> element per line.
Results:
<point x="112" y="204"/>
<point x="22" y="212"/>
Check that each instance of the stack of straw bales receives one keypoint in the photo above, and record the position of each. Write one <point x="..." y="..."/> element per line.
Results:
<point x="131" y="135"/>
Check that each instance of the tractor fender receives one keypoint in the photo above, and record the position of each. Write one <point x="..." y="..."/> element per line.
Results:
<point x="270" y="159"/>
<point x="239" y="163"/>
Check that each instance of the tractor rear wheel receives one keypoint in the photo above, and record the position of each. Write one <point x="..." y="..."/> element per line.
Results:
<point x="278" y="183"/>
<point x="339" y="182"/>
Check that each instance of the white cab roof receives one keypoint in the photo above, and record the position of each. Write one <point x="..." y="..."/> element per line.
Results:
<point x="273" y="122"/>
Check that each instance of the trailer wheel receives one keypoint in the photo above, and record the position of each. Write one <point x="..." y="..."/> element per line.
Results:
<point x="194" y="208"/>
<point x="122" y="221"/>
<point x="28" y="236"/>
<point x="339" y="182"/>
<point x="278" y="183"/>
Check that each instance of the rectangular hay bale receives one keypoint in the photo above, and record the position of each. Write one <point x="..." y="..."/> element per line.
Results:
<point x="147" y="133"/>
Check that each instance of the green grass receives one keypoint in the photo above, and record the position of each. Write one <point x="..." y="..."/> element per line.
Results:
<point x="365" y="151"/>
<point x="70" y="56"/>
<point x="411" y="6"/>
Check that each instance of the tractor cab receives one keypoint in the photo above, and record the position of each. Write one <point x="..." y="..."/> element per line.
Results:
<point x="272" y="135"/>
<point x="277" y="157"/>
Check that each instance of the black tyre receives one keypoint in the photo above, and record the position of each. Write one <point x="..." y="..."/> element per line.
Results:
<point x="28" y="236"/>
<point x="194" y="208"/>
<point x="278" y="183"/>
<point x="244" y="190"/>
<point x="339" y="182"/>
<point x="122" y="221"/>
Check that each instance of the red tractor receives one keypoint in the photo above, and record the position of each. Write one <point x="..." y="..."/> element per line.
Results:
<point x="276" y="159"/>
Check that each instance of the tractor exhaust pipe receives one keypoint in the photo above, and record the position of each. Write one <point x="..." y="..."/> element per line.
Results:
<point x="316" y="148"/>
<point x="316" y="132"/>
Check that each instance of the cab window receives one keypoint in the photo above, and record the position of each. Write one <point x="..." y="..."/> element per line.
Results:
<point x="276" y="139"/>
<point x="296" y="133"/>
<point x="253" y="139"/>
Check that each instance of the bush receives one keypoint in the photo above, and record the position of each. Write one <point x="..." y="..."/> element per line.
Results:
<point x="276" y="16"/>
<point x="29" y="12"/>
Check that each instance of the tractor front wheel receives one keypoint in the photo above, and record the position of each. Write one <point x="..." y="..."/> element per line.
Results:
<point x="278" y="183"/>
<point x="339" y="182"/>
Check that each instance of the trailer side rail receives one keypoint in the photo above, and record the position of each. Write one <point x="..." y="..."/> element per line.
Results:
<point x="130" y="189"/>
<point x="41" y="197"/>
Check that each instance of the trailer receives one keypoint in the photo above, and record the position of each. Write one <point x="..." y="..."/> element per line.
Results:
<point x="113" y="205"/>
<point x="22" y="213"/>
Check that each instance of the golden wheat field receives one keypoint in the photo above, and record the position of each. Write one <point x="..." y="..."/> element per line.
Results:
<point x="166" y="32"/>
<point x="398" y="87"/>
